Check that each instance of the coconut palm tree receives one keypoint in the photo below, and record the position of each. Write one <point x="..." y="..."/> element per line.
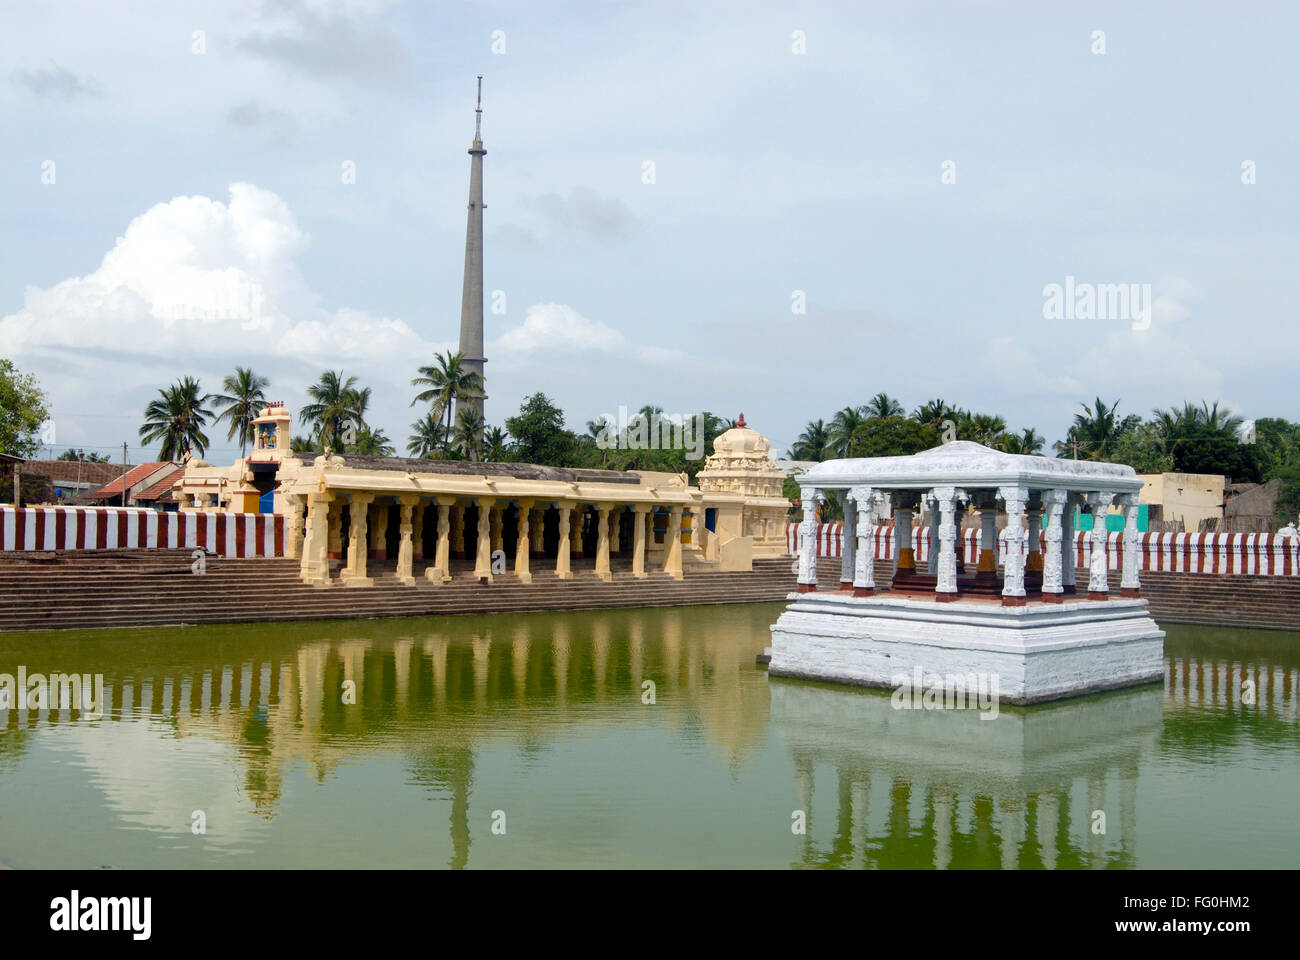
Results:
<point x="1029" y="442"/>
<point x="429" y="434"/>
<point x="372" y="442"/>
<point x="177" y="418"/>
<point x="333" y="407"/>
<point x="1096" y="430"/>
<point x="243" y="398"/>
<point x="883" y="405"/>
<point x="496" y="445"/>
<point x="446" y="381"/>
<point x="812" y="443"/>
<point x="936" y="412"/>
<point x="469" y="433"/>
<point x="843" y="425"/>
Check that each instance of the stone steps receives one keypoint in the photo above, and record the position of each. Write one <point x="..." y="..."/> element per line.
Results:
<point x="157" y="589"/>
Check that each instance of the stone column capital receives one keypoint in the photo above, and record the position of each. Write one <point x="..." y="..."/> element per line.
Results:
<point x="1055" y="497"/>
<point x="1014" y="493"/>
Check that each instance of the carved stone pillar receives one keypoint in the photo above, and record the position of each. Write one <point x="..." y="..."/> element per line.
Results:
<point x="639" y="512"/>
<point x="602" y="541"/>
<point x="614" y="523"/>
<point x="537" y="535"/>
<point x="808" y="541"/>
<point x="295" y="526"/>
<point x="334" y="535"/>
<point x="1013" y="570"/>
<point x="576" y="525"/>
<point x="417" y="535"/>
<point x="496" y="518"/>
<point x="315" y="565"/>
<point x="483" y="555"/>
<point x="440" y="572"/>
<point x="864" y="559"/>
<point x="1069" y="555"/>
<point x="354" y="574"/>
<point x="1129" y="585"/>
<point x="523" y="547"/>
<point x="1098" y="581"/>
<point x="563" y="570"/>
<point x="849" y="546"/>
<point x="1054" y="502"/>
<point x="945" y="587"/>
<point x="673" y="544"/>
<point x="406" y="539"/>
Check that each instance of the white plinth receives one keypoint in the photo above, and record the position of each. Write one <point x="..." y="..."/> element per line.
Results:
<point x="1037" y="652"/>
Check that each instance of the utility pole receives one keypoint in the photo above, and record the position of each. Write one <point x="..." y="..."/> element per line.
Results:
<point x="124" y="473"/>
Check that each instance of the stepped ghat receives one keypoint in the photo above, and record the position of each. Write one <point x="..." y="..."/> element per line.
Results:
<point x="1028" y="629"/>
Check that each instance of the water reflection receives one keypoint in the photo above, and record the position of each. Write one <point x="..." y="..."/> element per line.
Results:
<point x="549" y="711"/>
<point x="946" y="788"/>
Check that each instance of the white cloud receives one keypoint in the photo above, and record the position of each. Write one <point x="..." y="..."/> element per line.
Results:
<point x="196" y="286"/>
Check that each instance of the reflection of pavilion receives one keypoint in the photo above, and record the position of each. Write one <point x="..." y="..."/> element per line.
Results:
<point x="945" y="788"/>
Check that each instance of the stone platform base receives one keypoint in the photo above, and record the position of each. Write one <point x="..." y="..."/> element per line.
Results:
<point x="1036" y="652"/>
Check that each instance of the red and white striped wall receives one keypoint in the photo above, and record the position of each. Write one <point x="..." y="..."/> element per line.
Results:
<point x="132" y="528"/>
<point x="1253" y="554"/>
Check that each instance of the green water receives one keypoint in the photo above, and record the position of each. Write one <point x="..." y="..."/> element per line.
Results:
<point x="537" y="724"/>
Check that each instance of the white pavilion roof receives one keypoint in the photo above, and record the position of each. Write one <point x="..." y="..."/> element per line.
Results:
<point x="963" y="463"/>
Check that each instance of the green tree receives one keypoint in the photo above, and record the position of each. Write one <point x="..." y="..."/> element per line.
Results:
<point x="445" y="381"/>
<point x="1095" y="431"/>
<point x="371" y="442"/>
<point x="539" y="433"/>
<point x="893" y="437"/>
<point x="1205" y="439"/>
<point x="243" y="397"/>
<point x="177" y="419"/>
<point x="333" y="408"/>
<point x="812" y="443"/>
<point x="984" y="428"/>
<point x="936" y="412"/>
<point x="468" y="436"/>
<point x="1143" y="449"/>
<point x="23" y="411"/>
<point x="843" y="425"/>
<point x="496" y="445"/>
<point x="428" y="436"/>
<point x="83" y="456"/>
<point x="883" y="405"/>
<point x="1028" y="442"/>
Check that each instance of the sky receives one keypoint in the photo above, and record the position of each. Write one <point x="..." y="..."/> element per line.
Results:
<point x="778" y="209"/>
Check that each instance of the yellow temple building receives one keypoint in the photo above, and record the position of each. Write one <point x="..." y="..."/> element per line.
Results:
<point x="351" y="518"/>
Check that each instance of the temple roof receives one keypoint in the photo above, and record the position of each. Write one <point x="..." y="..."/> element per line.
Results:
<point x="963" y="463"/>
<point x="467" y="468"/>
